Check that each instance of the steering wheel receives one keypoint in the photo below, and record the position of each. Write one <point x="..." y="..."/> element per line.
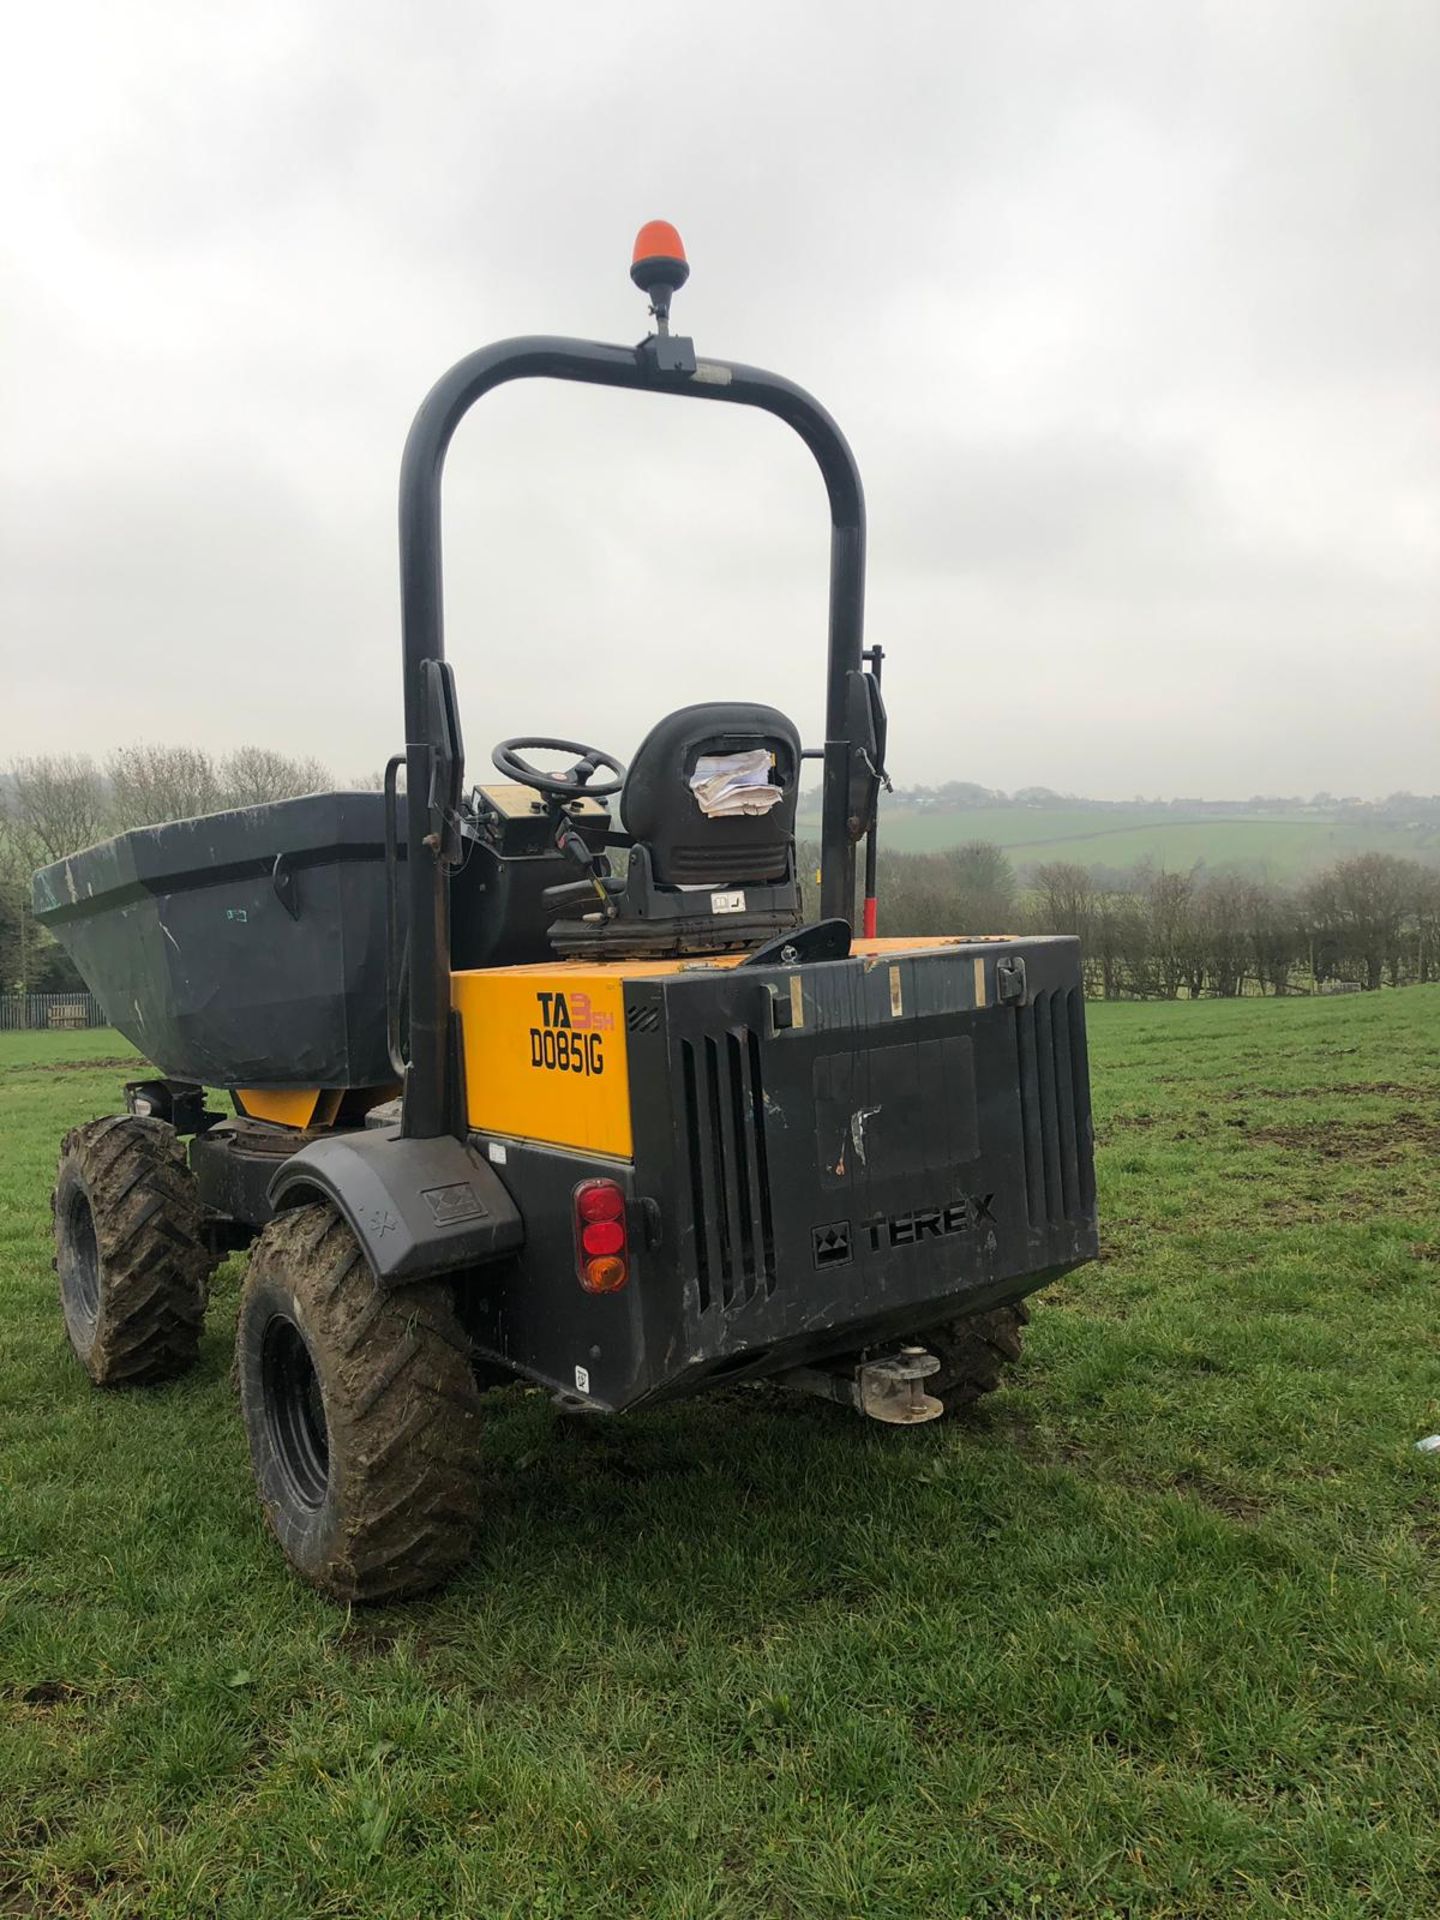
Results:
<point x="569" y="785"/>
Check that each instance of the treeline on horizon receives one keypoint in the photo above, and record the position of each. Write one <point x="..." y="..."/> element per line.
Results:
<point x="1151" y="933"/>
<point x="1147" y="933"/>
<point x="1400" y="809"/>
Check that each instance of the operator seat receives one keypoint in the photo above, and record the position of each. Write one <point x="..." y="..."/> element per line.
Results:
<point x="698" y="880"/>
<point x="689" y="848"/>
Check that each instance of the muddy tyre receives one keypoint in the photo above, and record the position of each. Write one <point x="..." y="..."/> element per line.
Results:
<point x="130" y="1253"/>
<point x="362" y="1414"/>
<point x="973" y="1354"/>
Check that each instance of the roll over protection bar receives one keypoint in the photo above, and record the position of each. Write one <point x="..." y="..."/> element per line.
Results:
<point x="662" y="363"/>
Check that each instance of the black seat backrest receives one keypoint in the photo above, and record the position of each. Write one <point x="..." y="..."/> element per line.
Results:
<point x="689" y="848"/>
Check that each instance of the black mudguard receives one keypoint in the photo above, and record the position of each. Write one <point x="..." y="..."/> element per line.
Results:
<point x="418" y="1207"/>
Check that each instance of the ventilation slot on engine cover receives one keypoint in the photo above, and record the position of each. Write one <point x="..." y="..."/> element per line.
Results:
<point x="728" y="1173"/>
<point x="1055" y="1108"/>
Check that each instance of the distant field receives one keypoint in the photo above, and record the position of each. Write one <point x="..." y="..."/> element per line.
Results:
<point x="1272" y="846"/>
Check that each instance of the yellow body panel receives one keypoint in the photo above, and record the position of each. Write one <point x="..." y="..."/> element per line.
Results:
<point x="545" y="1054"/>
<point x="545" y="1046"/>
<point x="285" y="1106"/>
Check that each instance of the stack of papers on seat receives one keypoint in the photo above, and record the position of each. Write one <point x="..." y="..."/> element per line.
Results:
<point x="730" y="783"/>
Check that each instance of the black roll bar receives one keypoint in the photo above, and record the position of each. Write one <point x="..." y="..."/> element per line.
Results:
<point x="663" y="364"/>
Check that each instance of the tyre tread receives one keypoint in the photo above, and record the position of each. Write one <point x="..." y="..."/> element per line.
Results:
<point x="405" y="1429"/>
<point x="149" y="1229"/>
<point x="974" y="1352"/>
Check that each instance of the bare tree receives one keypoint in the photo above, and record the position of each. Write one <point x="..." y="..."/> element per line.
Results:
<point x="29" y="958"/>
<point x="57" y="803"/>
<point x="969" y="889"/>
<point x="1359" y="907"/>
<point x="1222" y="926"/>
<point x="12" y="933"/>
<point x="1170" y="899"/>
<point x="983" y="881"/>
<point x="1065" y="897"/>
<point x="1119" y="944"/>
<point x="252" y="775"/>
<point x="1277" y="937"/>
<point x="1427" y="925"/>
<point x="155" y="784"/>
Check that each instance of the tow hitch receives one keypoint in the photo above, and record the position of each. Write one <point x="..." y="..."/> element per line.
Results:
<point x="889" y="1387"/>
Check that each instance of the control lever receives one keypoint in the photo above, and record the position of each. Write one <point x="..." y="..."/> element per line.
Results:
<point x="570" y="843"/>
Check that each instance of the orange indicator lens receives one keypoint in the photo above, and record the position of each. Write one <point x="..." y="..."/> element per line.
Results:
<point x="605" y="1275"/>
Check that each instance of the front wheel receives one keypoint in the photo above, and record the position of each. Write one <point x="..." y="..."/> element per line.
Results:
<point x="130" y="1251"/>
<point x="361" y="1411"/>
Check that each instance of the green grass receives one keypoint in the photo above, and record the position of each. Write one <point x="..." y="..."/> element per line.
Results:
<point x="1153" y="1634"/>
<point x="1273" y="846"/>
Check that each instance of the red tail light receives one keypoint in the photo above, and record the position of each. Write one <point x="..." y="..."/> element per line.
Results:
<point x="602" y="1240"/>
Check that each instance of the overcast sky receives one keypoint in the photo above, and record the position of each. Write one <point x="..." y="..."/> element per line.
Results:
<point x="1131" y="313"/>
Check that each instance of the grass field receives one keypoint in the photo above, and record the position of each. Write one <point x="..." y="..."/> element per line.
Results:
<point x="1265" y="845"/>
<point x="1153" y="1634"/>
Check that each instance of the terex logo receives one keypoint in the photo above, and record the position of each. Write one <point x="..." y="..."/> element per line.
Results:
<point x="904" y="1229"/>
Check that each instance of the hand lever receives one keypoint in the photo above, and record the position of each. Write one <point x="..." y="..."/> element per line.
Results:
<point x="574" y="848"/>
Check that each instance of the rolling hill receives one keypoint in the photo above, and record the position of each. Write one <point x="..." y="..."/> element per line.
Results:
<point x="1274" y="845"/>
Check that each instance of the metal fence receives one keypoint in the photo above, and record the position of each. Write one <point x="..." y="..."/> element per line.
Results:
<point x="49" y="1010"/>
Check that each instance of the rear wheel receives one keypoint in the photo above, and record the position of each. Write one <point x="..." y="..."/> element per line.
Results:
<point x="361" y="1411"/>
<point x="130" y="1252"/>
<point x="973" y="1353"/>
